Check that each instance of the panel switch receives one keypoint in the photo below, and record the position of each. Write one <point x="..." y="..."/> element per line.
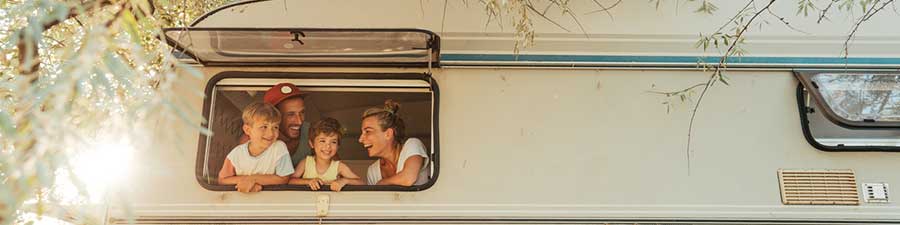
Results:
<point x="322" y="202"/>
<point x="876" y="192"/>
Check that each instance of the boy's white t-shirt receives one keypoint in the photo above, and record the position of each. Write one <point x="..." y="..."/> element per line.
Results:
<point x="274" y="160"/>
<point x="413" y="146"/>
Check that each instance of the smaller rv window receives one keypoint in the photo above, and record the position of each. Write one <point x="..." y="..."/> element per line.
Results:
<point x="826" y="135"/>
<point x="856" y="100"/>
<point x="343" y="97"/>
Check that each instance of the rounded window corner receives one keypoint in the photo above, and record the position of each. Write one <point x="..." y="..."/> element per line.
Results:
<point x="324" y="83"/>
<point x="811" y="140"/>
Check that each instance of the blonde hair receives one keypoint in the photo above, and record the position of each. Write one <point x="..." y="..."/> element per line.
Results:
<point x="326" y="126"/>
<point x="262" y="110"/>
<point x="388" y="117"/>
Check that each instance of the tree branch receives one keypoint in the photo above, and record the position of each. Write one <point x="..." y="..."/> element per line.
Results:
<point x="605" y="9"/>
<point x="29" y="56"/>
<point x="717" y="73"/>
<point x="824" y="12"/>
<point x="865" y="17"/>
<point x="785" y="22"/>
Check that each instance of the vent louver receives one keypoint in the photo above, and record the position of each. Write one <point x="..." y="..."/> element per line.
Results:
<point x="818" y="187"/>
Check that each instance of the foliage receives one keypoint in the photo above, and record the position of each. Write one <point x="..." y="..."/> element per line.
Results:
<point x="731" y="37"/>
<point x="74" y="72"/>
<point x="728" y="39"/>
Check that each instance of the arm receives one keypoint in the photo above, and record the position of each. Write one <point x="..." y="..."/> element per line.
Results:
<point x="345" y="177"/>
<point x="313" y="184"/>
<point x="301" y="167"/>
<point x="409" y="174"/>
<point x="242" y="183"/>
<point x="269" y="179"/>
<point x="227" y="175"/>
<point x="297" y="177"/>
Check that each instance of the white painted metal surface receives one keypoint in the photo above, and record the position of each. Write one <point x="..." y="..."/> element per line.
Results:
<point x="548" y="145"/>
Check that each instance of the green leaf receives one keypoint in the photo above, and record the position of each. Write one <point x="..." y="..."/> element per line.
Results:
<point x="99" y="81"/>
<point x="144" y="6"/>
<point x="181" y="114"/>
<point x="194" y="72"/>
<point x="7" y="126"/>
<point x="131" y="26"/>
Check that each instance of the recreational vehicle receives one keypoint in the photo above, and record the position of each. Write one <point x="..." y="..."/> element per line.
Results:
<point x="574" y="129"/>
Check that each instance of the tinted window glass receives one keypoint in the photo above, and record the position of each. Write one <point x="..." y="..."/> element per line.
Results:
<point x="234" y="46"/>
<point x="861" y="97"/>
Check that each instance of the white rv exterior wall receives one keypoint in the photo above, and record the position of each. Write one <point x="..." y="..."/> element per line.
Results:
<point x="636" y="27"/>
<point x="557" y="143"/>
<point x="550" y="143"/>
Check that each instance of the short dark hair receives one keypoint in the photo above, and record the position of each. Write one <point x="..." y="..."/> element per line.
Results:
<point x="326" y="126"/>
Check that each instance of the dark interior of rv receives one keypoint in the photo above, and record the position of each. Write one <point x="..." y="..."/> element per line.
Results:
<point x="344" y="104"/>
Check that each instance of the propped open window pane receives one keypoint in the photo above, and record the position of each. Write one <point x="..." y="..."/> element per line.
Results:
<point x="856" y="99"/>
<point x="305" y="46"/>
<point x="861" y="97"/>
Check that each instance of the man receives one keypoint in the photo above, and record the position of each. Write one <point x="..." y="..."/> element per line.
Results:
<point x="292" y="131"/>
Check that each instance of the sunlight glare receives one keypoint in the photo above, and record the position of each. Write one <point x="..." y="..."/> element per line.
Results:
<point x="104" y="165"/>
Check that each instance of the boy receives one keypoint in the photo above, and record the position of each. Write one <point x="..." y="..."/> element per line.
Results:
<point x="264" y="160"/>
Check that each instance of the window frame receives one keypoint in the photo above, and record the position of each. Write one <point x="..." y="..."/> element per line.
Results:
<point x="433" y="46"/>
<point x="803" y="109"/>
<point x="435" y="135"/>
<point x="805" y="78"/>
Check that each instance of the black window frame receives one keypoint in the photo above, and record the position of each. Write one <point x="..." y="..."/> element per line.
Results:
<point x="435" y="135"/>
<point x="803" y="109"/>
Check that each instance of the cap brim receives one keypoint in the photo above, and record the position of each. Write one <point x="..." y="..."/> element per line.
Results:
<point x="299" y="93"/>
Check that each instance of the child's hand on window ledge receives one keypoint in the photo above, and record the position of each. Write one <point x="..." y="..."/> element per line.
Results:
<point x="246" y="185"/>
<point x="315" y="184"/>
<point x="338" y="184"/>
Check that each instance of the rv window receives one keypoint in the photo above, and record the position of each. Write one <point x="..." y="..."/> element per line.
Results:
<point x="856" y="100"/>
<point x="826" y="135"/>
<point x="306" y="46"/>
<point x="340" y="96"/>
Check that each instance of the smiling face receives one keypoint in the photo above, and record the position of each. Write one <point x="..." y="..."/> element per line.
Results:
<point x="374" y="139"/>
<point x="292" y="112"/>
<point x="325" y="145"/>
<point x="262" y="133"/>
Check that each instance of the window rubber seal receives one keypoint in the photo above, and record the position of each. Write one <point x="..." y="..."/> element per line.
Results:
<point x="807" y="133"/>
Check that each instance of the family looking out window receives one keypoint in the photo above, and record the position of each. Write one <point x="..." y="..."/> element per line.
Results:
<point x="272" y="140"/>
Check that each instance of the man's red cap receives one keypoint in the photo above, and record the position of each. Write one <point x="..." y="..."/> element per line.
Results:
<point x="280" y="92"/>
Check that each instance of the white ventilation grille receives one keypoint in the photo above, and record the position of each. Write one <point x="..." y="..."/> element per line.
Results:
<point x="818" y="187"/>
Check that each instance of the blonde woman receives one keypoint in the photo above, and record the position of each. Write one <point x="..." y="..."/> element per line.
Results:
<point x="401" y="161"/>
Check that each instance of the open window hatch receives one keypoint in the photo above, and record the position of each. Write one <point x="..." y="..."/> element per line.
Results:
<point x="306" y="46"/>
<point x="850" y="110"/>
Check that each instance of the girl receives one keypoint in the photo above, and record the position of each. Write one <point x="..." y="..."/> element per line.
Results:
<point x="319" y="169"/>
